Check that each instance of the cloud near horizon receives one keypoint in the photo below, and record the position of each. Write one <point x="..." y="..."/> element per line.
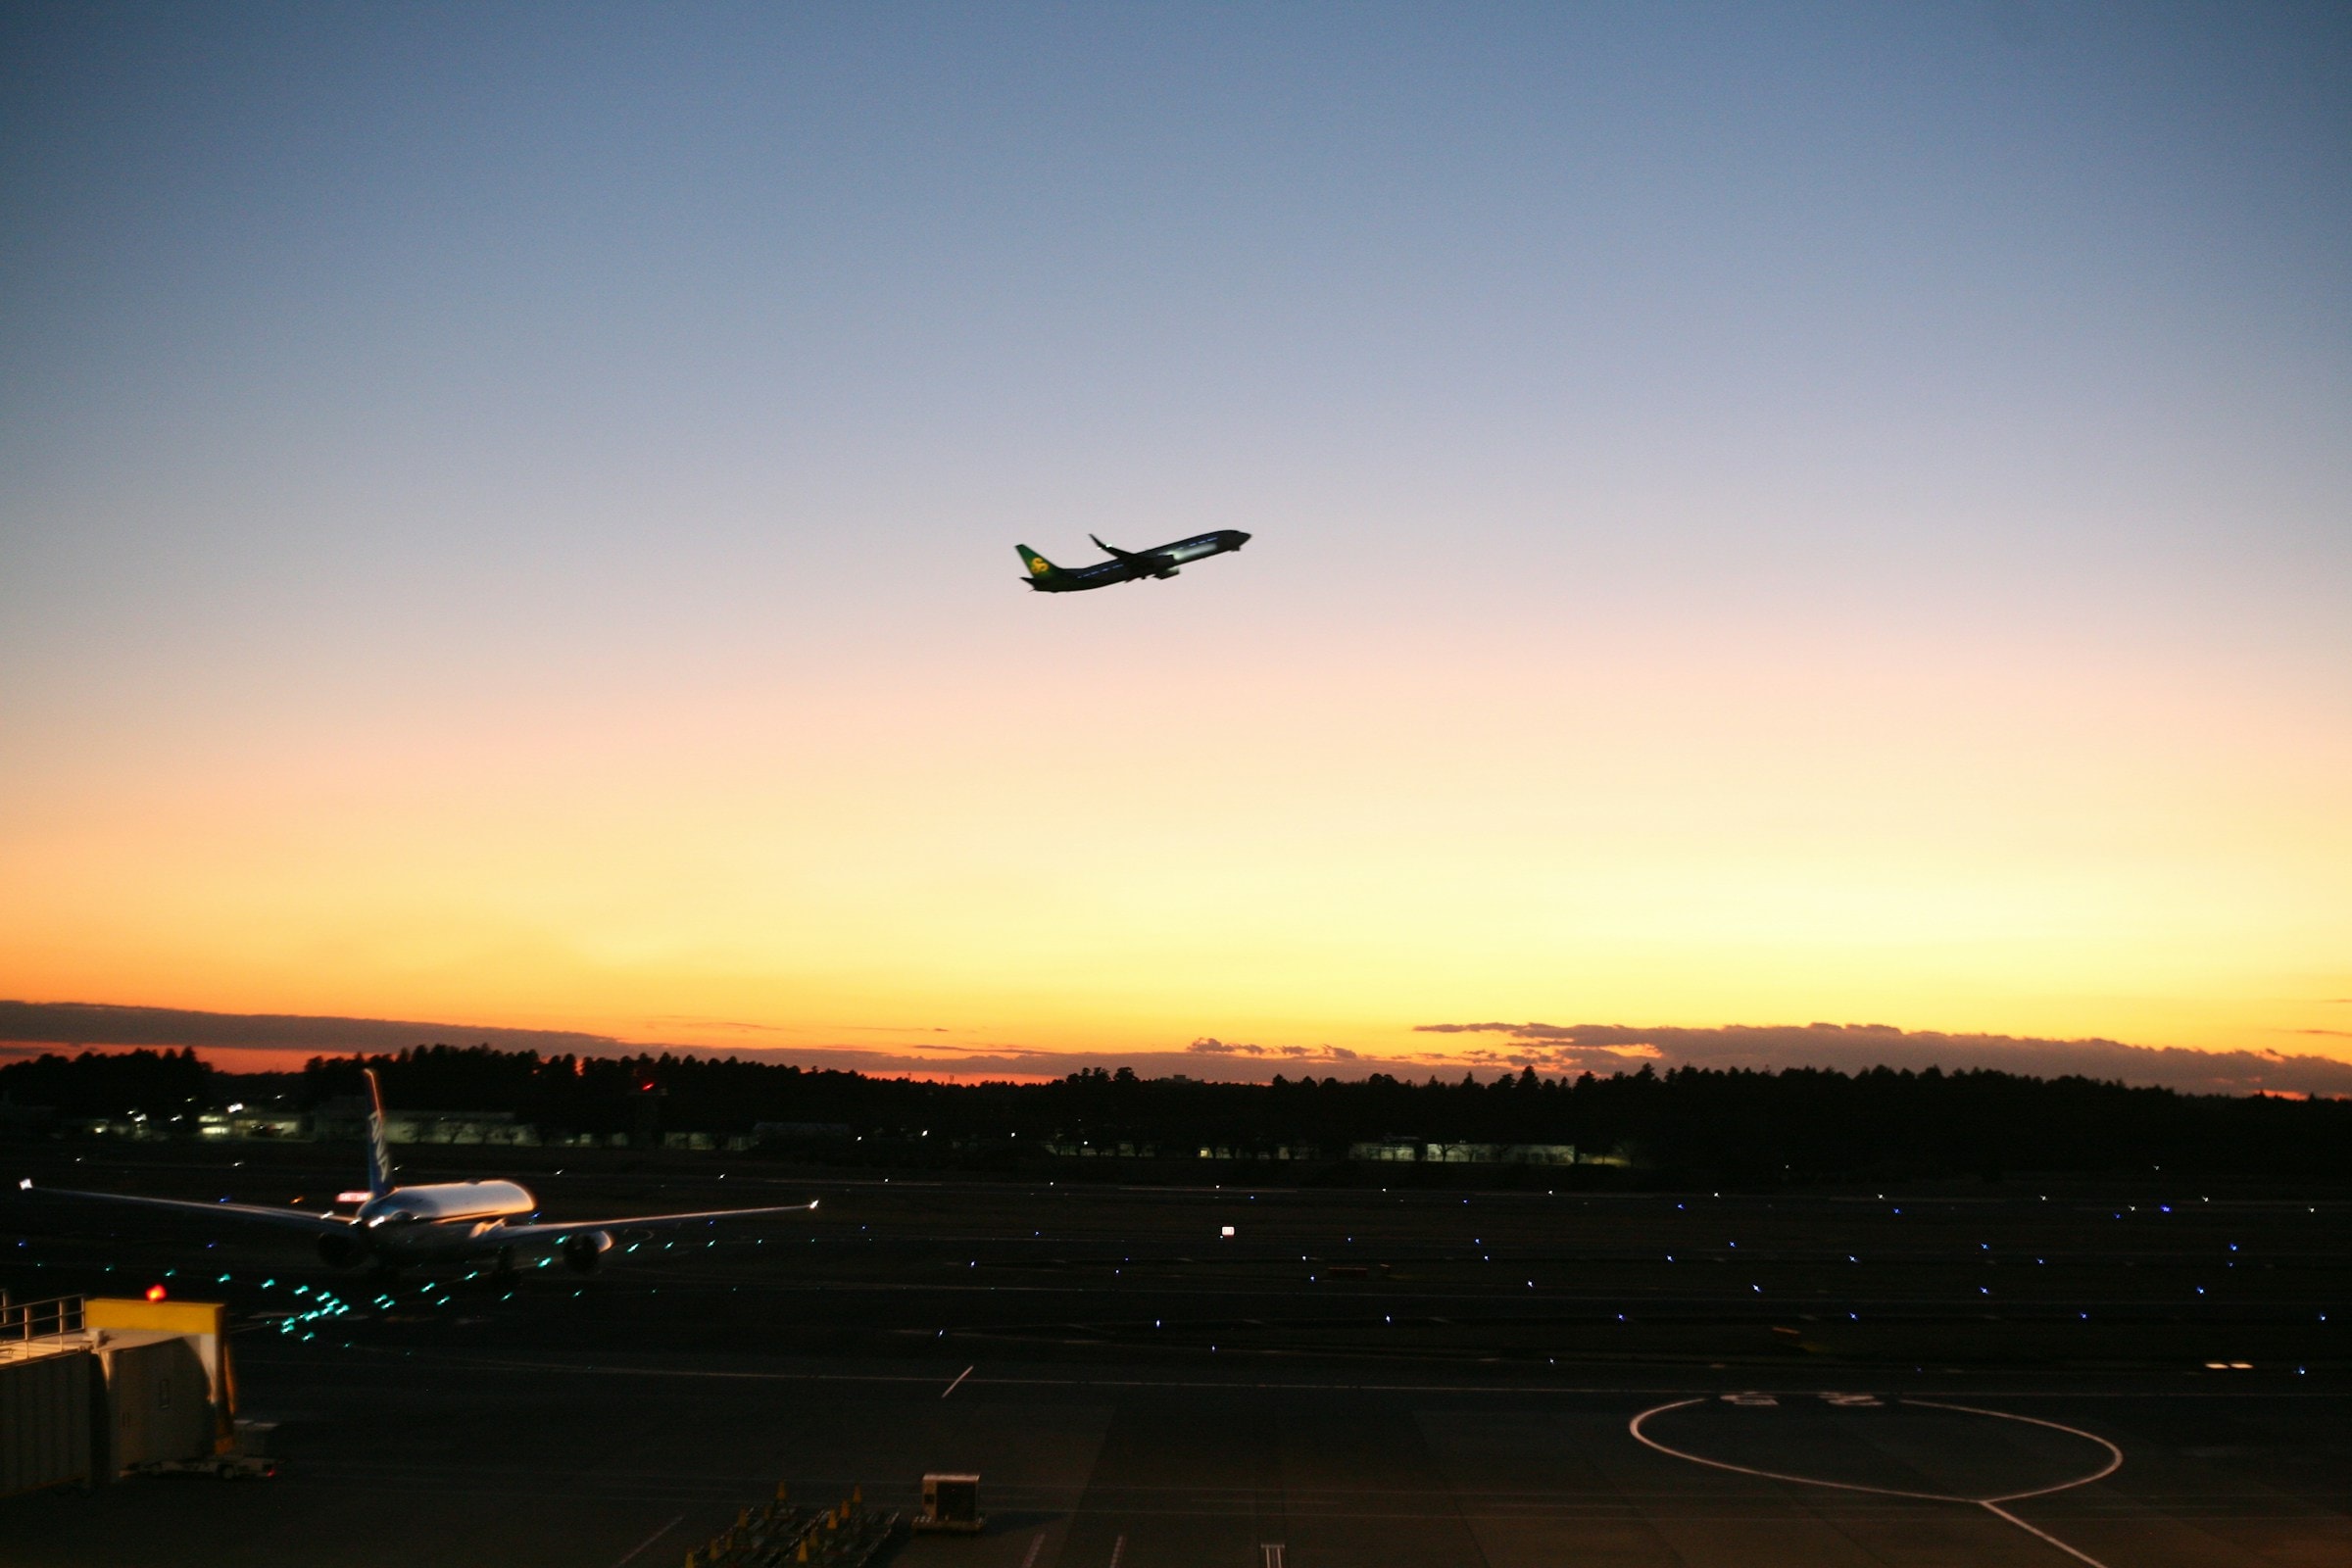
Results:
<point x="1207" y="1047"/>
<point x="281" y="1041"/>
<point x="1851" y="1047"/>
<point x="278" y="1041"/>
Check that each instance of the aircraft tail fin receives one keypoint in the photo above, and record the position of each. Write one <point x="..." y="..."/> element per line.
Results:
<point x="380" y="1148"/>
<point x="1040" y="568"/>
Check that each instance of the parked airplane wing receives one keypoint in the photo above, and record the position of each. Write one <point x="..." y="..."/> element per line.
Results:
<point x="291" y="1218"/>
<point x="636" y="1222"/>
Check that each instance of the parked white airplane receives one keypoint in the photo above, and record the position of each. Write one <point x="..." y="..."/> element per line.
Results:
<point x="438" y="1223"/>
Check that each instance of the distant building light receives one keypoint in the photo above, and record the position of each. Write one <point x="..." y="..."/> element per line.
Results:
<point x="155" y="1292"/>
<point x="1226" y="1233"/>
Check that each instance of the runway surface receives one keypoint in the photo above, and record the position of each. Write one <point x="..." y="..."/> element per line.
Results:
<point x="1133" y="1394"/>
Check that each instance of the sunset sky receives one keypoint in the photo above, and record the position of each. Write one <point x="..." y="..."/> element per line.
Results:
<point x="1762" y="514"/>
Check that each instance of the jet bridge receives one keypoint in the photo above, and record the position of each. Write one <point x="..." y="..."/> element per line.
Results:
<point x="96" y="1388"/>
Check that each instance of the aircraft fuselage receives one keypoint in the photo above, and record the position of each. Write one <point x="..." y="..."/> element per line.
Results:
<point x="444" y="1220"/>
<point x="443" y="1202"/>
<point x="1128" y="566"/>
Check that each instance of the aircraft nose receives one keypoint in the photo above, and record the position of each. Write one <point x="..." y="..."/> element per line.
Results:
<point x="1240" y="539"/>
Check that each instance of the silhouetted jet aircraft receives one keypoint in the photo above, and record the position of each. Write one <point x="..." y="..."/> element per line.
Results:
<point x="1126" y="565"/>
<point x="443" y="1222"/>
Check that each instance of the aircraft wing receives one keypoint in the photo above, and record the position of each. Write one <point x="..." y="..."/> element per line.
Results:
<point x="638" y="1222"/>
<point x="1114" y="550"/>
<point x="289" y="1218"/>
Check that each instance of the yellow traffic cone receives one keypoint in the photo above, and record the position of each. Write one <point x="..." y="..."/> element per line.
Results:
<point x="856" y="1496"/>
<point x="780" y="1493"/>
<point x="804" y="1553"/>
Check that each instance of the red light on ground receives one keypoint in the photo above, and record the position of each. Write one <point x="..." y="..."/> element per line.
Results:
<point x="155" y="1292"/>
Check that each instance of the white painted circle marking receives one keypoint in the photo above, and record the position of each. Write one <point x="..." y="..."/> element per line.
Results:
<point x="2115" y="1455"/>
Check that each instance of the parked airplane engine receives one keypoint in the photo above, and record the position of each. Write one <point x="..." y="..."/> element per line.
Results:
<point x="341" y="1250"/>
<point x="584" y="1252"/>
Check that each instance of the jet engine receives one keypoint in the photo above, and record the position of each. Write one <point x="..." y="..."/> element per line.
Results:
<point x="339" y="1251"/>
<point x="1167" y="570"/>
<point x="585" y="1251"/>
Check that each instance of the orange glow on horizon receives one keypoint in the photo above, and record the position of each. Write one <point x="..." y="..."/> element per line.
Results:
<point x="2028" y="854"/>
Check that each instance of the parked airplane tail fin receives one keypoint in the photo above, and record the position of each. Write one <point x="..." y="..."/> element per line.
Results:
<point x="1040" y="568"/>
<point x="379" y="1148"/>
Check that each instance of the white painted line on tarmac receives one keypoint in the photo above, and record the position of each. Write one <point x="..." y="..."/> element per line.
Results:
<point x="958" y="1383"/>
<point x="636" y="1550"/>
<point x="1037" y="1544"/>
<point x="1277" y="1385"/>
<point x="2115" y="1455"/>
<point x="1991" y="1505"/>
<point x="2079" y="1556"/>
<point x="1648" y="1442"/>
<point x="1118" y="1549"/>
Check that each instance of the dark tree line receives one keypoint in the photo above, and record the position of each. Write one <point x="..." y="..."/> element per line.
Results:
<point x="159" y="1083"/>
<point x="1803" y="1124"/>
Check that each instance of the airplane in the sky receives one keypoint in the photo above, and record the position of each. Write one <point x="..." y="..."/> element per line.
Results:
<point x="441" y="1222"/>
<point x="1126" y="565"/>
